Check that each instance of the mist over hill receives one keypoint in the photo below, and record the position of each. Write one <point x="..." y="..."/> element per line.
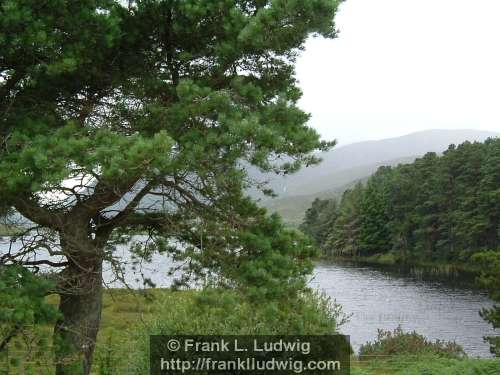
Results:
<point x="344" y="166"/>
<point x="341" y="168"/>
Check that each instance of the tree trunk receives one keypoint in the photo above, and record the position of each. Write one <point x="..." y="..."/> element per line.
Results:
<point x="80" y="306"/>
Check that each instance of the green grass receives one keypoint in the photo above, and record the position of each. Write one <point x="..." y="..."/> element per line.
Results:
<point x="125" y="312"/>
<point x="8" y="230"/>
<point x="125" y="309"/>
<point x="425" y="365"/>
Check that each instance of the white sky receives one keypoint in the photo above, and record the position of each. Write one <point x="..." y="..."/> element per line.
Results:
<point x="400" y="66"/>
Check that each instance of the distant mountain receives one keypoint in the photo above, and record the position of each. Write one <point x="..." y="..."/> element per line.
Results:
<point x="344" y="165"/>
<point x="292" y="208"/>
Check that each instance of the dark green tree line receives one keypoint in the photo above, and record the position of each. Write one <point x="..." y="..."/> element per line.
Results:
<point x="439" y="208"/>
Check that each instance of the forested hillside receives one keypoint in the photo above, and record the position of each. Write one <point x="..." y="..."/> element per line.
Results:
<point x="343" y="166"/>
<point x="439" y="208"/>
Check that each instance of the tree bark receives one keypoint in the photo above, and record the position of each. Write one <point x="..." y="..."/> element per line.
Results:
<point x="80" y="306"/>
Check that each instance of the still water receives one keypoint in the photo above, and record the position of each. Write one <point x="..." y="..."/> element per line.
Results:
<point x="381" y="299"/>
<point x="378" y="299"/>
<point x="375" y="298"/>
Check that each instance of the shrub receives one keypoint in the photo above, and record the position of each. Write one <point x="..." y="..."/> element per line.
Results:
<point x="217" y="312"/>
<point x="490" y="279"/>
<point x="399" y="342"/>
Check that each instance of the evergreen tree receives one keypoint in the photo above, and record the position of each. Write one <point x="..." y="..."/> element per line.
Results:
<point x="374" y="233"/>
<point x="319" y="219"/>
<point x="487" y="226"/>
<point x="427" y="206"/>
<point x="442" y="208"/>
<point x="344" y="236"/>
<point x="118" y="117"/>
<point x="401" y="197"/>
<point x="23" y="305"/>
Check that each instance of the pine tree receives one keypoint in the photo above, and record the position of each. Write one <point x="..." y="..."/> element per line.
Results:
<point x="118" y="117"/>
<point x="442" y="208"/>
<point x="488" y="207"/>
<point x="319" y="219"/>
<point x="374" y="232"/>
<point x="344" y="238"/>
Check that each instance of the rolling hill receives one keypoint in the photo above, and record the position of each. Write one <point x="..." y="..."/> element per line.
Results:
<point x="344" y="166"/>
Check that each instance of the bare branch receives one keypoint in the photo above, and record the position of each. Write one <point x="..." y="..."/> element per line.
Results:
<point x="31" y="210"/>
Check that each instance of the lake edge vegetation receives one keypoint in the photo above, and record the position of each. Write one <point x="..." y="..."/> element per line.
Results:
<point x="441" y="211"/>
<point x="129" y="318"/>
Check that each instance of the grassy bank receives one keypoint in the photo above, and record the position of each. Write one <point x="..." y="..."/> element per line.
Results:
<point x="129" y="314"/>
<point x="125" y="312"/>
<point x="424" y="365"/>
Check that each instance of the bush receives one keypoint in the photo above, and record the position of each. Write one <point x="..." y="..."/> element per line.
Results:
<point x="399" y="342"/>
<point x="489" y="262"/>
<point x="24" y="316"/>
<point x="217" y="312"/>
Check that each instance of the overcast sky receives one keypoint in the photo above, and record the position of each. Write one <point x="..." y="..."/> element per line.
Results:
<point x="400" y="66"/>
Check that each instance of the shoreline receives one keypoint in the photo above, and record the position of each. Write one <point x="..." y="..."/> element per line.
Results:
<point x="459" y="272"/>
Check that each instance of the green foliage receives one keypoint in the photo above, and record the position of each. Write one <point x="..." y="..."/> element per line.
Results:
<point x="260" y="257"/>
<point x="273" y="263"/>
<point x="344" y="236"/>
<point x="24" y="315"/>
<point x="439" y="208"/>
<point x="490" y="267"/>
<point x="218" y="312"/>
<point x="399" y="342"/>
<point x="5" y="210"/>
<point x="129" y="319"/>
<point x="426" y="365"/>
<point x="490" y="279"/>
<point x="163" y="71"/>
<point x="22" y="302"/>
<point x="165" y="100"/>
<point x="318" y="219"/>
<point x="107" y="360"/>
<point x="374" y="234"/>
<point x="437" y="366"/>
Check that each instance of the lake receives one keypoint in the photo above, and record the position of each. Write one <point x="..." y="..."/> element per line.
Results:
<point x="376" y="298"/>
<point x="381" y="299"/>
